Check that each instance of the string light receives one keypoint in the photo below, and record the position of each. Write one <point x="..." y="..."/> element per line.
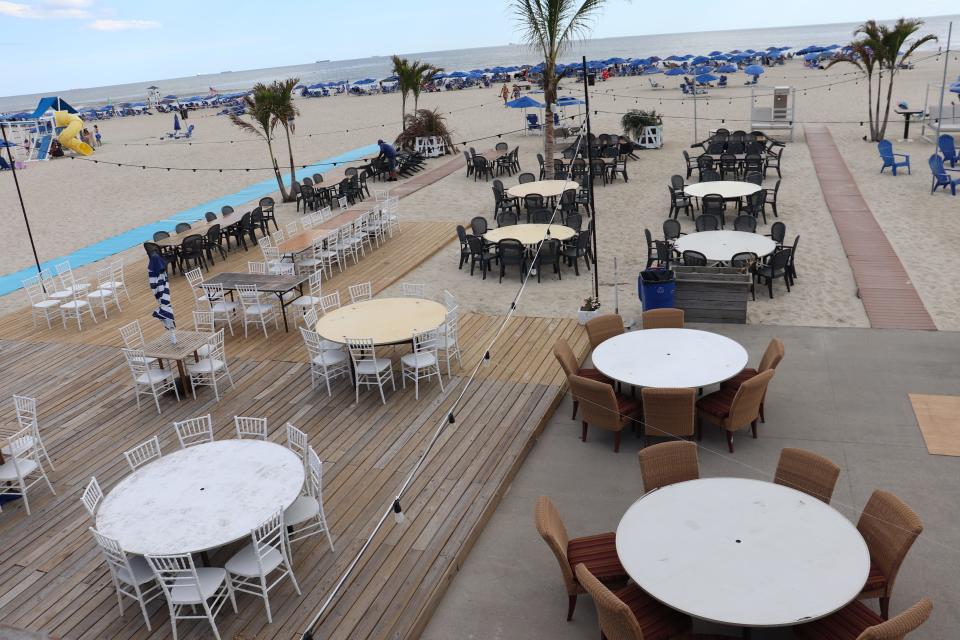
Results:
<point x="398" y="516"/>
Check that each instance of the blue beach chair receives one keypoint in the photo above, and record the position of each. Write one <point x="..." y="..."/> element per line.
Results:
<point x="948" y="149"/>
<point x="940" y="176"/>
<point x="533" y="122"/>
<point x="885" y="147"/>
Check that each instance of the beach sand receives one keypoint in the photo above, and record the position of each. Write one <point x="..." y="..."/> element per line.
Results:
<point x="75" y="203"/>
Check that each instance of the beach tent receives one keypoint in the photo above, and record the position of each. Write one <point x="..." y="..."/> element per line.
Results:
<point x="53" y="102"/>
<point x="526" y="102"/>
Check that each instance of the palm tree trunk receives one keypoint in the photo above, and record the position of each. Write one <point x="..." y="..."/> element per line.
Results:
<point x="403" y="107"/>
<point x="293" y="168"/>
<point x="549" y="92"/>
<point x="876" y="117"/>
<point x="870" y="105"/>
<point x="276" y="172"/>
<point x="886" y="112"/>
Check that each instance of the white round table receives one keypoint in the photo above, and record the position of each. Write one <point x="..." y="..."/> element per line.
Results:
<point x="201" y="497"/>
<point x="386" y="320"/>
<point x="721" y="246"/>
<point x="673" y="358"/>
<point x="546" y="188"/>
<point x="742" y="552"/>
<point x="729" y="189"/>
<point x="529" y="233"/>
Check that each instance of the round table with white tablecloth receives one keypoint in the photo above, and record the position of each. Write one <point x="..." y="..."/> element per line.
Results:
<point x="728" y="189"/>
<point x="529" y="234"/>
<point x="545" y="188"/>
<point x="721" y="246"/>
<point x="201" y="497"/>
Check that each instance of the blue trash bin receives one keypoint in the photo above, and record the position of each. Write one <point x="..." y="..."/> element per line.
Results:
<point x="656" y="288"/>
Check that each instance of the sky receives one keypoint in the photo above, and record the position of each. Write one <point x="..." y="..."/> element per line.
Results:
<point x="62" y="44"/>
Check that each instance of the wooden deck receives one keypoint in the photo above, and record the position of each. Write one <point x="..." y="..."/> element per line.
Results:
<point x="888" y="296"/>
<point x="53" y="576"/>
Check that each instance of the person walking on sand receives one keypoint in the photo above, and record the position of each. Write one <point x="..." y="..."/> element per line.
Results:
<point x="516" y="91"/>
<point x="96" y="135"/>
<point x="505" y="93"/>
<point x="388" y="153"/>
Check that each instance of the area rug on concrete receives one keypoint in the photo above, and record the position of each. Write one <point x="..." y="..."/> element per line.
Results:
<point x="939" y="420"/>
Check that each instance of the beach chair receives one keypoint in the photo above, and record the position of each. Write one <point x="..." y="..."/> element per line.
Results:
<point x="941" y="177"/>
<point x="654" y="84"/>
<point x="723" y="81"/>
<point x="946" y="145"/>
<point x="533" y="123"/>
<point x="885" y="147"/>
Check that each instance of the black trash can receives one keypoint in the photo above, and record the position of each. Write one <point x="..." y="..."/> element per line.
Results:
<point x="591" y="79"/>
<point x="657" y="288"/>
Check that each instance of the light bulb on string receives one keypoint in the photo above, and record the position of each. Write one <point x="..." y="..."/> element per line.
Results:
<point x="398" y="516"/>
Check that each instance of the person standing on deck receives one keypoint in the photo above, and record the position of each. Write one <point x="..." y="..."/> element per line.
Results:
<point x="388" y="153"/>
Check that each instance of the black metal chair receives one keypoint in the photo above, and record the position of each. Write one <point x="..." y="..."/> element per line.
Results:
<point x="253" y="223"/>
<point x="191" y="253"/>
<point x="756" y="205"/>
<point x="181" y="227"/>
<point x="512" y="252"/>
<point x="533" y="202"/>
<point x="508" y="218"/>
<point x="694" y="259"/>
<point x="709" y="175"/>
<point x="618" y="166"/>
<point x="713" y="204"/>
<point x="691" y="163"/>
<point x="466" y="155"/>
<point x="778" y="233"/>
<point x="752" y="163"/>
<point x="524" y="178"/>
<point x="548" y="255"/>
<point x="777" y="267"/>
<point x="479" y="226"/>
<point x="541" y="216"/>
<point x="744" y="259"/>
<point x="210" y="216"/>
<point x="579" y="249"/>
<point x="745" y="222"/>
<point x="679" y="200"/>
<point x="480" y="253"/>
<point x="792" y="264"/>
<point x="482" y="168"/>
<point x="754" y="178"/>
<point x="464" y="245"/>
<point x="772" y="198"/>
<point x="706" y="222"/>
<point x="214" y="240"/>
<point x="574" y="221"/>
<point x="266" y="208"/>
<point x="671" y="230"/>
<point x="502" y="201"/>
<point x="773" y="161"/>
<point x="729" y="167"/>
<point x="239" y="231"/>
<point x="568" y="202"/>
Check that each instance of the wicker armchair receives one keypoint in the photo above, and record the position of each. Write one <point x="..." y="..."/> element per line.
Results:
<point x="623" y="615"/>
<point x="856" y="621"/>
<point x="668" y="413"/>
<point x="738" y="412"/>
<point x="668" y="463"/>
<point x="663" y="319"/>
<point x="568" y="361"/>
<point x="599" y="552"/>
<point x="808" y="472"/>
<point x="889" y="528"/>
<point x="602" y="407"/>
<point x="603" y="327"/>
<point x="771" y="358"/>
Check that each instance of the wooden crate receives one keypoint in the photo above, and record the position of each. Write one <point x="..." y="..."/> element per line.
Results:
<point x="712" y="294"/>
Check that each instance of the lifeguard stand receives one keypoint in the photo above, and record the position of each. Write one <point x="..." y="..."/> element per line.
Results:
<point x="779" y="117"/>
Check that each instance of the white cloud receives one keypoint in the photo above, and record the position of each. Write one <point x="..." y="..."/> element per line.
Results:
<point x="123" y="25"/>
<point x="51" y="9"/>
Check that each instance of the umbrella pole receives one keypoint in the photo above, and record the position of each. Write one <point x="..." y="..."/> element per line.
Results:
<point x="943" y="85"/>
<point x="13" y="168"/>
<point x="593" y="209"/>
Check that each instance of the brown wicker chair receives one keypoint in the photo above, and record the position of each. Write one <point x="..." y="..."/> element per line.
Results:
<point x="889" y="528"/>
<point x="568" y="361"/>
<point x="737" y="412"/>
<point x="599" y="552"/>
<point x="663" y="319"/>
<point x="771" y="358"/>
<point x="602" y="407"/>
<point x="668" y="412"/>
<point x="603" y="327"/>
<point x="856" y="621"/>
<point x="808" y="472"/>
<point x="668" y="463"/>
<point x="625" y="614"/>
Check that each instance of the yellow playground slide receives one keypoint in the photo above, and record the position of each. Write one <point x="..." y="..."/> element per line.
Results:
<point x="68" y="137"/>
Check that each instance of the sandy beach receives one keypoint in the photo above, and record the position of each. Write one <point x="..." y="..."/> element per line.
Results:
<point x="75" y="203"/>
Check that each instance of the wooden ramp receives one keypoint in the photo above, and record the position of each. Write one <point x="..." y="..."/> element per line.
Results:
<point x="53" y="576"/>
<point x="888" y="296"/>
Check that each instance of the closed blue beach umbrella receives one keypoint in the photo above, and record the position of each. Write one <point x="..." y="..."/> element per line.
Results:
<point x="753" y="70"/>
<point x="157" y="272"/>
<point x="176" y="122"/>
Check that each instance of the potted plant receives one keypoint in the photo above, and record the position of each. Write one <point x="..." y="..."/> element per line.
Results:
<point x="588" y="310"/>
<point x="646" y="127"/>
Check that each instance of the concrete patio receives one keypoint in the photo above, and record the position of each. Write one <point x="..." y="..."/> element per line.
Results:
<point x="839" y="392"/>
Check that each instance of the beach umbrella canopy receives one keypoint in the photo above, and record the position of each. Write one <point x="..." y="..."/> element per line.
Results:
<point x="700" y="60"/>
<point x="675" y="71"/>
<point x="524" y="102"/>
<point x="157" y="272"/>
<point x="704" y="78"/>
<point x="749" y="51"/>
<point x="715" y="53"/>
<point x="701" y="70"/>
<point x="753" y="70"/>
<point x="365" y="81"/>
<point x="458" y="74"/>
<point x="726" y="68"/>
<point x="654" y="58"/>
<point x="734" y="51"/>
<point x="176" y="122"/>
<point x="615" y="61"/>
<point x="647" y="71"/>
<point x="955" y="87"/>
<point x="567" y="101"/>
<point x="675" y="58"/>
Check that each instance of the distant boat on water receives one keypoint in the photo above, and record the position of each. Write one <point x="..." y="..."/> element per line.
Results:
<point x="322" y="61"/>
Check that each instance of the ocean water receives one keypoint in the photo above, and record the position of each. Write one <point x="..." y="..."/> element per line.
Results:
<point x="662" y="45"/>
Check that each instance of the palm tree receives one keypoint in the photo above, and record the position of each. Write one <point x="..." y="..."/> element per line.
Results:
<point x="401" y="69"/>
<point x="862" y="55"/>
<point x="411" y="76"/>
<point x="550" y="26"/>
<point x="897" y="49"/>
<point x="284" y="111"/>
<point x="260" y="120"/>
<point x="420" y="74"/>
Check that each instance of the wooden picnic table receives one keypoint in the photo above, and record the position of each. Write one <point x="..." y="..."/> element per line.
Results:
<point x="187" y="344"/>
<point x="269" y="283"/>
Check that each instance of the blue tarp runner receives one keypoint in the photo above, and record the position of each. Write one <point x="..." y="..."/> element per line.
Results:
<point x="137" y="236"/>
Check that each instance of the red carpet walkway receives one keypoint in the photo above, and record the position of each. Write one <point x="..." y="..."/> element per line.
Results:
<point x="888" y="296"/>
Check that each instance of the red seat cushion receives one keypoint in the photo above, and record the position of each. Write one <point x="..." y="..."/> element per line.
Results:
<point x="658" y="621"/>
<point x="718" y="403"/>
<point x="628" y="406"/>
<point x="846" y="624"/>
<point x="875" y="579"/>
<point x="599" y="553"/>
<point x="737" y="380"/>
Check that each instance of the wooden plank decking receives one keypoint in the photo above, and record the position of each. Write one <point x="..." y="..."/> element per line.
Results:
<point x="53" y="577"/>
<point x="888" y="296"/>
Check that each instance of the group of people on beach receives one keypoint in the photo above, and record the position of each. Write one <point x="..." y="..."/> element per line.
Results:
<point x="505" y="92"/>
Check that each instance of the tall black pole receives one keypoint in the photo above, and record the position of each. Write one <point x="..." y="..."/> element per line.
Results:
<point x="593" y="209"/>
<point x="13" y="167"/>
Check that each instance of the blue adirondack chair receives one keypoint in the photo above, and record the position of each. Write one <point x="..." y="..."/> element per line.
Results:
<point x="533" y="122"/>
<point x="940" y="176"/>
<point x="890" y="158"/>
<point x="948" y="149"/>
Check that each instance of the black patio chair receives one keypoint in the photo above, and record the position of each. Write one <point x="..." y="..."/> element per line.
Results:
<point x="729" y="167"/>
<point x="266" y="208"/>
<point x="213" y="239"/>
<point x="524" y="178"/>
<point x="691" y="163"/>
<point x="464" y="245"/>
<point x="541" y="216"/>
<point x="778" y="233"/>
<point x="480" y="253"/>
<point x="191" y="253"/>
<point x="511" y="252"/>
<point x="706" y="222"/>
<point x="671" y="230"/>
<point x="745" y="222"/>
<point x="709" y="175"/>
<point x="182" y="226"/>
<point x="772" y="198"/>
<point x="479" y="226"/>
<point x="508" y="218"/>
<point x="777" y="267"/>
<point x="712" y="204"/>
<point x="577" y="250"/>
<point x="679" y="200"/>
<point x="773" y="161"/>
<point x="209" y="216"/>
<point x="548" y="255"/>
<point x="694" y="259"/>
<point x="482" y="168"/>
<point x="792" y="264"/>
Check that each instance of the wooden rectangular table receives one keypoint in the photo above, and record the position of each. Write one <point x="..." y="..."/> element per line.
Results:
<point x="187" y="344"/>
<point x="270" y="283"/>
